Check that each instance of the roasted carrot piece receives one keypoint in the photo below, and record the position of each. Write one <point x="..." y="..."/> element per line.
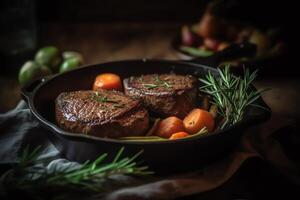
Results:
<point x="107" y="81"/>
<point x="198" y="119"/>
<point x="178" y="135"/>
<point x="169" y="126"/>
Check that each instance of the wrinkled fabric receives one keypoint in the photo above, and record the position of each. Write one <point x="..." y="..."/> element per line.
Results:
<point x="18" y="127"/>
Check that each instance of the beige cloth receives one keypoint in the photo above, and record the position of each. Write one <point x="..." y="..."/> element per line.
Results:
<point x="256" y="142"/>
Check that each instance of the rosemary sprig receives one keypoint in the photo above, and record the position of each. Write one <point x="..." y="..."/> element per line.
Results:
<point x="162" y="82"/>
<point x="166" y="84"/>
<point x="149" y="85"/>
<point x="159" y="83"/>
<point x="90" y="177"/>
<point x="232" y="95"/>
<point x="103" y="99"/>
<point x="118" y="106"/>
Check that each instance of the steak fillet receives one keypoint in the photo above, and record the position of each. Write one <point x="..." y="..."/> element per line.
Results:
<point x="103" y="113"/>
<point x="164" y="94"/>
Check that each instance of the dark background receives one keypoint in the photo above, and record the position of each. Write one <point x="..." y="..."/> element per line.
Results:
<point x="118" y="10"/>
<point x="254" y="11"/>
<point x="262" y="14"/>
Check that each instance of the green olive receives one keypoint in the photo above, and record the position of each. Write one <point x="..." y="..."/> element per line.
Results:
<point x="69" y="64"/>
<point x="72" y="54"/>
<point x="31" y="70"/>
<point x="49" y="56"/>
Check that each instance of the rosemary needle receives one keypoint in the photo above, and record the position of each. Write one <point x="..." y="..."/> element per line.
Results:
<point x="103" y="99"/>
<point x="159" y="82"/>
<point x="162" y="82"/>
<point x="150" y="86"/>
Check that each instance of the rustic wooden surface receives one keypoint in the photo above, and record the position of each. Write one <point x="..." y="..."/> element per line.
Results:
<point x="110" y="42"/>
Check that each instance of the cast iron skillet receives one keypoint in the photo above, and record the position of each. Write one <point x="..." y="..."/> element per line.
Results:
<point x="161" y="156"/>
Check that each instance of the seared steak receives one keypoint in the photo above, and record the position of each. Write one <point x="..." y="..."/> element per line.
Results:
<point x="104" y="113"/>
<point x="164" y="94"/>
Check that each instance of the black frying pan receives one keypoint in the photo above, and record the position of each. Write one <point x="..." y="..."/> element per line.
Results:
<point x="161" y="156"/>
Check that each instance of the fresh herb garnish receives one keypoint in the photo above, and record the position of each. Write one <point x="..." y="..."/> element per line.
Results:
<point x="89" y="178"/>
<point x="150" y="86"/>
<point x="232" y="95"/>
<point x="157" y="79"/>
<point x="162" y="82"/>
<point x="118" y="106"/>
<point x="103" y="99"/>
<point x="159" y="83"/>
<point x="141" y="79"/>
<point x="106" y="99"/>
<point x="166" y="84"/>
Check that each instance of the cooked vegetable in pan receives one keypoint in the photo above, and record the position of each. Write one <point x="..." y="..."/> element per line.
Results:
<point x="198" y="119"/>
<point x="169" y="126"/>
<point x="179" y="135"/>
<point x="108" y="81"/>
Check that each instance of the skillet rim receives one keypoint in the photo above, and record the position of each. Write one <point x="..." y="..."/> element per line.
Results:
<point x="29" y="98"/>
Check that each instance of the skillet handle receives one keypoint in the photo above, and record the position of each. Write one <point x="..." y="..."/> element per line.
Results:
<point x="28" y="89"/>
<point x="234" y="51"/>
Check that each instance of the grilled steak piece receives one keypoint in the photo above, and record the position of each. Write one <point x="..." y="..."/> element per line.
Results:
<point x="103" y="113"/>
<point x="164" y="94"/>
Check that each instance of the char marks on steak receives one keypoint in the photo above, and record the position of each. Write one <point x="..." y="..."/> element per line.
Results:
<point x="164" y="94"/>
<point x="104" y="113"/>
